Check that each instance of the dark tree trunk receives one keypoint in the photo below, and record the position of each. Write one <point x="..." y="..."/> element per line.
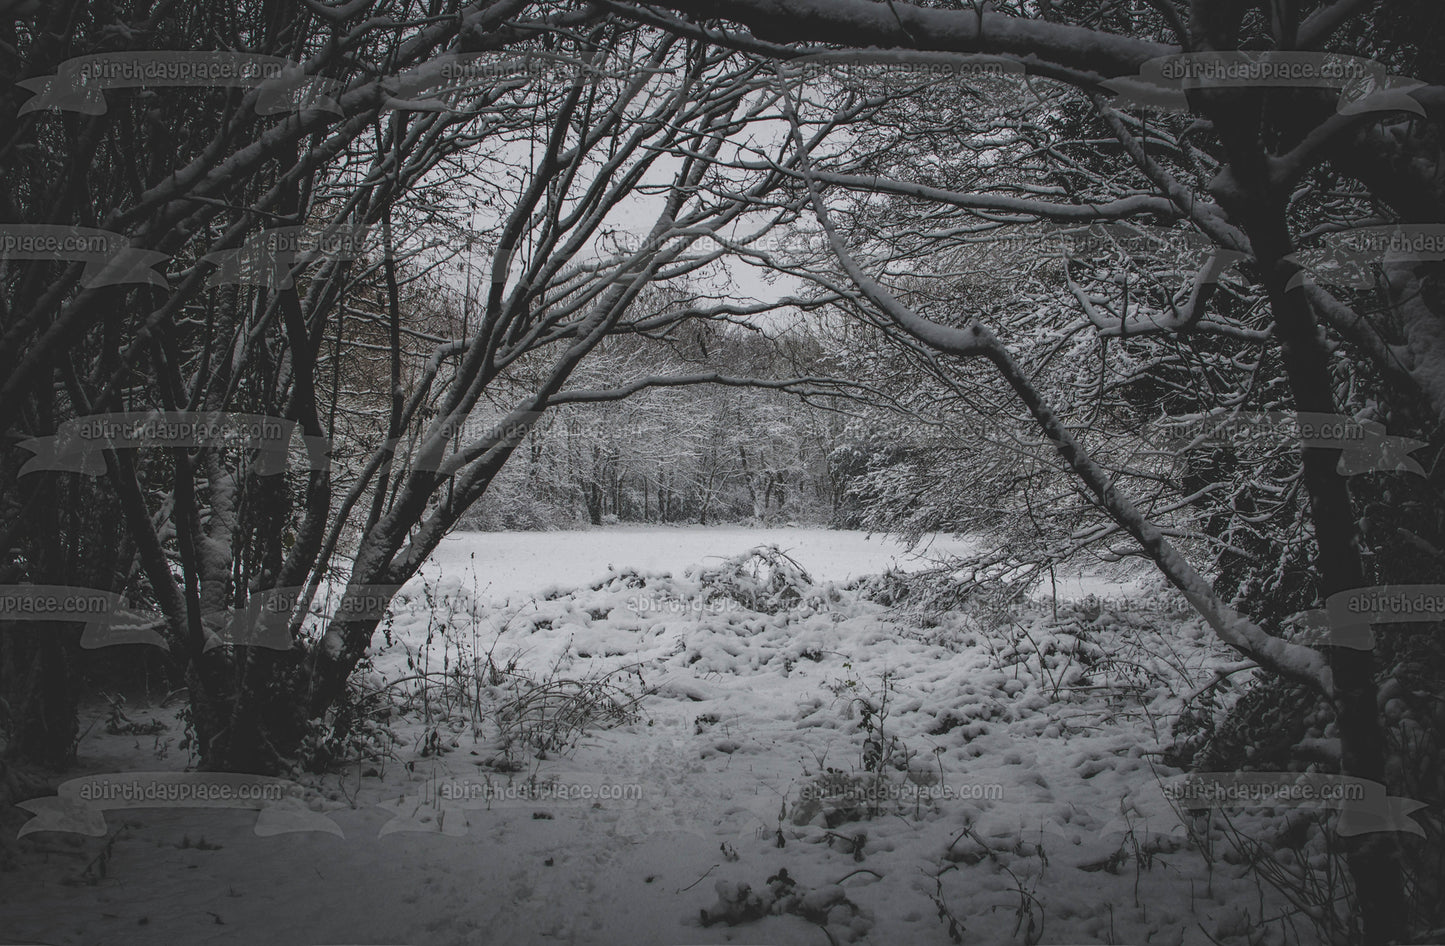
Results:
<point x="37" y="659"/>
<point x="38" y="686"/>
<point x="1247" y="193"/>
<point x="252" y="712"/>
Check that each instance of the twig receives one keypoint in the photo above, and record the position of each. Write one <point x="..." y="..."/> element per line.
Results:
<point x="700" y="879"/>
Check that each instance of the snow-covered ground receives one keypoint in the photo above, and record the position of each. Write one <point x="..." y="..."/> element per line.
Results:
<point x="525" y="563"/>
<point x="732" y="745"/>
<point x="528" y="563"/>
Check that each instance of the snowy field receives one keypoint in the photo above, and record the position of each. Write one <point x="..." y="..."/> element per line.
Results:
<point x="601" y="746"/>
<point x="529" y="563"/>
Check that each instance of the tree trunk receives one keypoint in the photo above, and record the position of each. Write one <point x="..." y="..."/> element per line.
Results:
<point x="37" y="666"/>
<point x="250" y="714"/>
<point x="38" y="687"/>
<point x="1374" y="859"/>
<point x="1247" y="192"/>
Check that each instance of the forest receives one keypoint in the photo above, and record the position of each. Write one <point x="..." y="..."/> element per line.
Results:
<point x="300" y="297"/>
